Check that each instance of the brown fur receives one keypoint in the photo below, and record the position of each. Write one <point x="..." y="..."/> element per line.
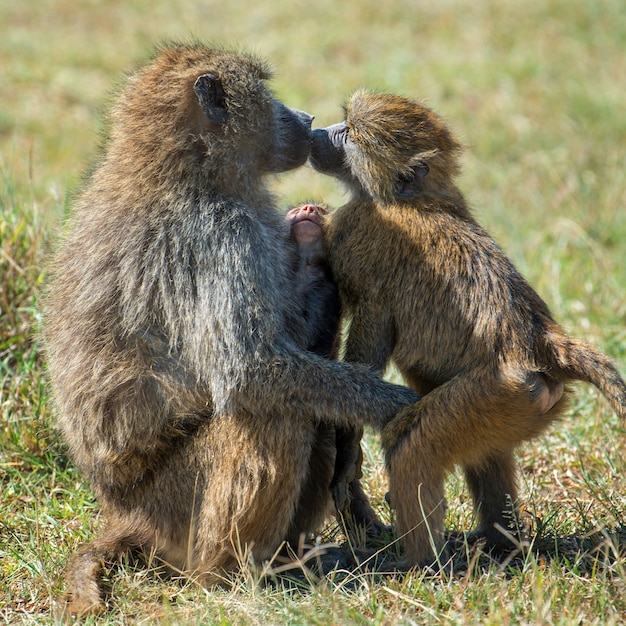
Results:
<point x="427" y="288"/>
<point x="175" y="348"/>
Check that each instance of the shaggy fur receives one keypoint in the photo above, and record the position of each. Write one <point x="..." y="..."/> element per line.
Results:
<point x="427" y="288"/>
<point x="175" y="350"/>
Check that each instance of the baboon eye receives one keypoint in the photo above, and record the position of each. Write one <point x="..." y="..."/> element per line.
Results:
<point x="346" y="137"/>
<point x="341" y="134"/>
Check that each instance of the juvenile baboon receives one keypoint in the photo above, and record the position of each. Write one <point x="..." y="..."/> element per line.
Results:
<point x="427" y="288"/>
<point x="317" y="290"/>
<point x="173" y="337"/>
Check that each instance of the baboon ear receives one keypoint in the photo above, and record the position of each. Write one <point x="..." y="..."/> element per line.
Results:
<point x="210" y="94"/>
<point x="411" y="183"/>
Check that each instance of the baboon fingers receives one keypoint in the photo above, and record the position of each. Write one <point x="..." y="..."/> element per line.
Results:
<point x="340" y="494"/>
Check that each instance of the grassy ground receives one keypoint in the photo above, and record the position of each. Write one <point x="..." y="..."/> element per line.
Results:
<point x="534" y="88"/>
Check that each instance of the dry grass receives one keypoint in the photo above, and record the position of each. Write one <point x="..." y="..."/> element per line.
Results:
<point x="535" y="91"/>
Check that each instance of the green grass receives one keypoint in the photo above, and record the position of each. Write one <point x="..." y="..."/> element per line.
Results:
<point x="534" y="89"/>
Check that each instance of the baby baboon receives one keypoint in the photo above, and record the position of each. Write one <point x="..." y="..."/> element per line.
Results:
<point x="426" y="287"/>
<point x="315" y="287"/>
<point x="173" y="335"/>
<point x="319" y="296"/>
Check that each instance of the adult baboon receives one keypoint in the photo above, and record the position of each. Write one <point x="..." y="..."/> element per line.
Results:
<point x="427" y="287"/>
<point x="173" y="344"/>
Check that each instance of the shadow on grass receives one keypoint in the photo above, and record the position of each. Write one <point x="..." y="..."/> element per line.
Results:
<point x="585" y="554"/>
<point x="334" y="566"/>
<point x="582" y="553"/>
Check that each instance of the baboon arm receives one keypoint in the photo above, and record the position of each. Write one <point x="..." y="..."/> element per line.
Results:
<point x="342" y="394"/>
<point x="241" y="327"/>
<point x="370" y="338"/>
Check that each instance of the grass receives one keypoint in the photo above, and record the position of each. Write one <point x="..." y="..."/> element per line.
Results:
<point x="534" y="91"/>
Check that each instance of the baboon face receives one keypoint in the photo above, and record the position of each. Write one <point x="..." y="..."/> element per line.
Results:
<point x="386" y="146"/>
<point x="290" y="141"/>
<point x="282" y="133"/>
<point x="306" y="226"/>
<point x="330" y="148"/>
<point x="216" y="103"/>
<point x="306" y="223"/>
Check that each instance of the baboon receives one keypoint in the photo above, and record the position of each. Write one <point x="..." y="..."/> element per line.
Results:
<point x="427" y="288"/>
<point x="314" y="284"/>
<point x="174" y="340"/>
<point x="319" y="296"/>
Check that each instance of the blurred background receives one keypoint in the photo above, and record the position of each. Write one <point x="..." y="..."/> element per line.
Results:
<point x="535" y="89"/>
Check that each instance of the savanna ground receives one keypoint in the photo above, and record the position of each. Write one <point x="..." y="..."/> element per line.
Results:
<point x="536" y="91"/>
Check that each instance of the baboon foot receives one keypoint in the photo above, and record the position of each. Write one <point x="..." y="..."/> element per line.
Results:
<point x="340" y="559"/>
<point x="361" y="532"/>
<point x="375" y="529"/>
<point x="442" y="564"/>
<point x="361" y="520"/>
<point x="325" y="561"/>
<point x="498" y="540"/>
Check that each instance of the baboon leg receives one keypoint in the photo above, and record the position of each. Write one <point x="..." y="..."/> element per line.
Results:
<point x="416" y="490"/>
<point x="251" y="493"/>
<point x="493" y="487"/>
<point x="315" y="499"/>
<point x="468" y="420"/>
<point x="351" y="501"/>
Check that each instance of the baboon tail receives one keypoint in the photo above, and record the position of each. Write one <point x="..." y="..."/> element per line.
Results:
<point x="579" y="361"/>
<point x="82" y="575"/>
